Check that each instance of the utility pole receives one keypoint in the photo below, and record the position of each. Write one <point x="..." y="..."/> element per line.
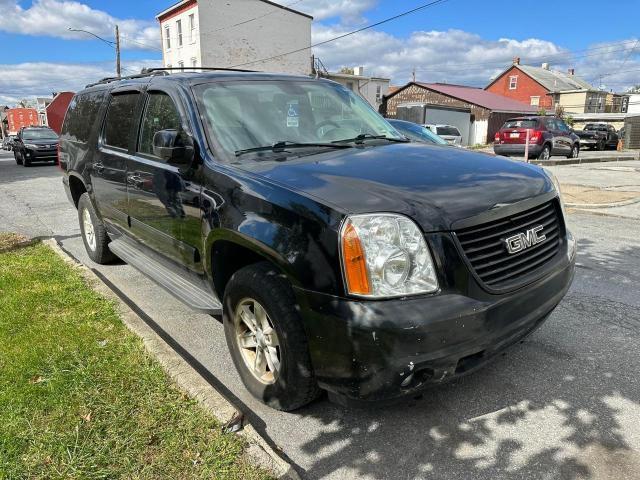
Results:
<point x="118" y="51"/>
<point x="413" y="74"/>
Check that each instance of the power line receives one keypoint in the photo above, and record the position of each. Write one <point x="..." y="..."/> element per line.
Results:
<point x="395" y="17"/>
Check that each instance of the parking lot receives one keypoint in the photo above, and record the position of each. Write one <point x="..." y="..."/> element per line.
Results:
<point x="563" y="404"/>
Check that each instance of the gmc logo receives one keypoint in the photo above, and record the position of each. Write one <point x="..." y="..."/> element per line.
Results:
<point x="522" y="241"/>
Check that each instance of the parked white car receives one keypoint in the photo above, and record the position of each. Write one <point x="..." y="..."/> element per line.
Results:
<point x="450" y="133"/>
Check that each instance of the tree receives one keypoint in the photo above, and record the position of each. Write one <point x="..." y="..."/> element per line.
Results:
<point x="347" y="70"/>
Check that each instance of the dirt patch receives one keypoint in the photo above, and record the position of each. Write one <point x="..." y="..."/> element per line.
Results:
<point x="9" y="241"/>
<point x="593" y="195"/>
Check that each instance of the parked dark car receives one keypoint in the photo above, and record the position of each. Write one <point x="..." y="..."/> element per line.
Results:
<point x="417" y="133"/>
<point x="35" y="144"/>
<point x="338" y="255"/>
<point x="598" y="136"/>
<point x="547" y="136"/>
<point x="7" y="143"/>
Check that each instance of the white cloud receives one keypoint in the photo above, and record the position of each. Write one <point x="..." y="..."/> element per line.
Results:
<point x="348" y="11"/>
<point x="456" y="56"/>
<point x="55" y="17"/>
<point x="26" y="80"/>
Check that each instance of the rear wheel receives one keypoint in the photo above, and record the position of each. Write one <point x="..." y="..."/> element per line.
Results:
<point x="575" y="151"/>
<point x="545" y="154"/>
<point x="266" y="339"/>
<point x="94" y="235"/>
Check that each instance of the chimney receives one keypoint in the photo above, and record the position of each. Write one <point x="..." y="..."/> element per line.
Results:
<point x="545" y="66"/>
<point x="358" y="71"/>
<point x="516" y="60"/>
<point x="572" y="71"/>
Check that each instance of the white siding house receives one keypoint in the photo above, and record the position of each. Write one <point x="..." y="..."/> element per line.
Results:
<point x="222" y="33"/>
<point x="371" y="89"/>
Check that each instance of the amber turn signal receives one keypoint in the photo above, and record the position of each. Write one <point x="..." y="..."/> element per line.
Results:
<point x="355" y="268"/>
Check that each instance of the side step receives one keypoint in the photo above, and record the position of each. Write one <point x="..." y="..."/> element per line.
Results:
<point x="185" y="290"/>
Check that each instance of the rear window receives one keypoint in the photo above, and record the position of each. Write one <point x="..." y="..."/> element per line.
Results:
<point x="82" y="114"/>
<point x="520" y="124"/>
<point x="119" y="120"/>
<point x="446" y="130"/>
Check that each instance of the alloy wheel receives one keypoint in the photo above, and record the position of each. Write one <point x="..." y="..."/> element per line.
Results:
<point x="257" y="341"/>
<point x="89" y="232"/>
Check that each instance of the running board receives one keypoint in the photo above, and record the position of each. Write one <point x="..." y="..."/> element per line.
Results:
<point x="184" y="289"/>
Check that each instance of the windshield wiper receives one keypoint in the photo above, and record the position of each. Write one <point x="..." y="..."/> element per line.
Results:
<point x="368" y="136"/>
<point x="283" y="145"/>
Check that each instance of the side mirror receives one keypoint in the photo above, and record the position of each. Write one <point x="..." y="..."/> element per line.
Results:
<point x="173" y="146"/>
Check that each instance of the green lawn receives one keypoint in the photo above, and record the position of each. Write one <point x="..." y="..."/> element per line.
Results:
<point x="80" y="397"/>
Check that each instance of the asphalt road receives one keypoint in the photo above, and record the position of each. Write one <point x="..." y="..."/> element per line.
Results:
<point x="564" y="404"/>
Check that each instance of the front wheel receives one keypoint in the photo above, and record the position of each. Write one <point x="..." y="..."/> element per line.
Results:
<point x="601" y="145"/>
<point x="17" y="157"/>
<point x="575" y="151"/>
<point x="94" y="235"/>
<point x="25" y="161"/>
<point x="266" y="338"/>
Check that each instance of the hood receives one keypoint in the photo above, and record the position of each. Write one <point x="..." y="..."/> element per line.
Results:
<point x="42" y="141"/>
<point x="434" y="185"/>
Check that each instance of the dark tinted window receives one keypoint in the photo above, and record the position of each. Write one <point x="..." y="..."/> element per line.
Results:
<point x="120" y="118"/>
<point x="447" y="130"/>
<point x="520" y="124"/>
<point x="160" y="114"/>
<point x="82" y="114"/>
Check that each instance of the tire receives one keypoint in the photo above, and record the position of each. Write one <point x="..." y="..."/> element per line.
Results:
<point x="601" y="145"/>
<point x="25" y="161"/>
<point x="575" y="151"/>
<point x="96" y="242"/>
<point x="17" y="157"/>
<point x="545" y="154"/>
<point x="293" y="384"/>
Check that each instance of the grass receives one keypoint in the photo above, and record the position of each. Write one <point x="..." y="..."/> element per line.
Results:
<point x="80" y="397"/>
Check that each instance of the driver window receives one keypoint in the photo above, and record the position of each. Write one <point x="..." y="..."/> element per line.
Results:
<point x="160" y="114"/>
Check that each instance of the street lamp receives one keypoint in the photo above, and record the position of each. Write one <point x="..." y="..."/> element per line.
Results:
<point x="108" y="42"/>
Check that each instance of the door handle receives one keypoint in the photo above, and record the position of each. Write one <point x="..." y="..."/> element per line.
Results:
<point x="98" y="167"/>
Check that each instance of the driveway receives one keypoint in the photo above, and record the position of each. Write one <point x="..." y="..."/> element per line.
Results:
<point x="563" y="404"/>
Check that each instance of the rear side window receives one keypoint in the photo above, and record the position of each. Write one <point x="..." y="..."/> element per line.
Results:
<point x="82" y="114"/>
<point x="446" y="130"/>
<point x="161" y="114"/>
<point x="120" y="119"/>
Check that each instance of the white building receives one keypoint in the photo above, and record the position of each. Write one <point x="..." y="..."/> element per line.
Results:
<point x="232" y="33"/>
<point x="41" y="106"/>
<point x="370" y="88"/>
<point x="634" y="104"/>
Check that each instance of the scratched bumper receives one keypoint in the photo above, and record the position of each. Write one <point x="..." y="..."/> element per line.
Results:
<point x="376" y="350"/>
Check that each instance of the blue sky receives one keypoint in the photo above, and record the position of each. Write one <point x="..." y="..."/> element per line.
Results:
<point x="435" y="41"/>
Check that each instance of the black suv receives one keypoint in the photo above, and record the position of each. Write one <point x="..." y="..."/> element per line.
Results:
<point x="338" y="256"/>
<point x="547" y="136"/>
<point x="35" y="144"/>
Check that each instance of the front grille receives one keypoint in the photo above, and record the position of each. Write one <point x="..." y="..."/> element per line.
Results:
<point x="485" y="248"/>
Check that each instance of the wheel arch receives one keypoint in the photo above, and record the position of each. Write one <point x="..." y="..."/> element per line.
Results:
<point x="77" y="187"/>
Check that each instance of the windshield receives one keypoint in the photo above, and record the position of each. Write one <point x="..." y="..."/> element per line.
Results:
<point x="597" y="128"/>
<point x="447" y="130"/>
<point x="247" y="115"/>
<point x="520" y="124"/>
<point x="39" y="134"/>
<point x="417" y="133"/>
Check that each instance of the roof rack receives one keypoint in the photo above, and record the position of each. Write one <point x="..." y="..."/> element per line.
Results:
<point x="143" y="74"/>
<point x="189" y="69"/>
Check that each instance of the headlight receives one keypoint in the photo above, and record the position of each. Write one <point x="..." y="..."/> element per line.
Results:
<point x="385" y="255"/>
<point x="556" y="185"/>
<point x="31" y="145"/>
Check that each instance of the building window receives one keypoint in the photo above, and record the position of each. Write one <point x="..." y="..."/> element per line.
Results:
<point x="535" y="101"/>
<point x="194" y="62"/>
<point x="192" y="28"/>
<point x="167" y="37"/>
<point x="378" y="93"/>
<point x="179" y="28"/>
<point x="350" y="86"/>
<point x="513" y="82"/>
<point x="181" y="65"/>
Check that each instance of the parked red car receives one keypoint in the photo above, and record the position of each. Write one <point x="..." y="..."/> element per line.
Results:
<point x="547" y="136"/>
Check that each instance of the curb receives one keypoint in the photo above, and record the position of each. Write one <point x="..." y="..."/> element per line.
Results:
<point x="258" y="451"/>
<point x="603" y="205"/>
<point x="579" y="161"/>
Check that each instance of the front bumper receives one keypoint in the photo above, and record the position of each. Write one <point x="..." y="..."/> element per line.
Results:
<point x="516" y="149"/>
<point x="377" y="350"/>
<point x="41" y="154"/>
<point x="588" y="142"/>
